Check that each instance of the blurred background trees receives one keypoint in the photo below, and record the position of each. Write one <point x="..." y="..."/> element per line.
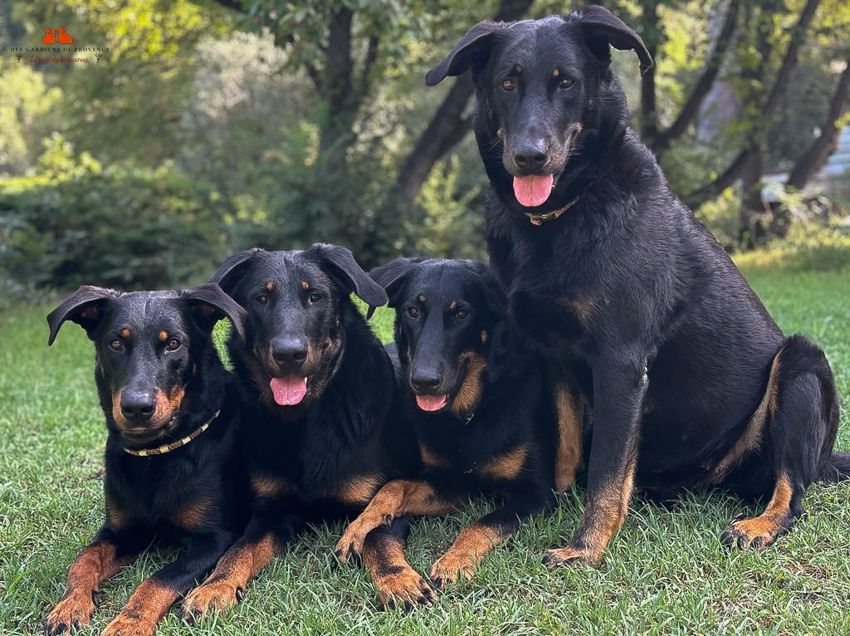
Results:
<point x="213" y="125"/>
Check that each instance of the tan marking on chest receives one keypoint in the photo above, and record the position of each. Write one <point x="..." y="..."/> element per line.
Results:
<point x="429" y="458"/>
<point x="193" y="515"/>
<point x="360" y="490"/>
<point x="267" y="486"/>
<point x="507" y="466"/>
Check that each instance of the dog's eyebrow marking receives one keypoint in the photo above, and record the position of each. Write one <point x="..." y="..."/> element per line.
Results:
<point x="556" y="72"/>
<point x="269" y="285"/>
<point x="163" y="335"/>
<point x="305" y="284"/>
<point x="125" y="332"/>
<point x="517" y="69"/>
<point x="453" y="305"/>
<point x="483" y="336"/>
<point x="420" y="298"/>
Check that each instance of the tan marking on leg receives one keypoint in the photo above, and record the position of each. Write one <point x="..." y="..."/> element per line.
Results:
<point x="469" y="395"/>
<point x="506" y="466"/>
<point x="360" y="490"/>
<point x="395" y="580"/>
<point x="751" y="439"/>
<point x="145" y="608"/>
<point x="93" y="565"/>
<point x="267" y="486"/>
<point x="233" y="572"/>
<point x="570" y="412"/>
<point x="603" y="518"/>
<point x="194" y="515"/>
<point x="428" y="457"/>
<point x="468" y="550"/>
<point x="760" y="532"/>
<point x="396" y="498"/>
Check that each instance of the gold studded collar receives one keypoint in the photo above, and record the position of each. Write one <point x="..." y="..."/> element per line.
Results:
<point x="167" y="448"/>
<point x="540" y="219"/>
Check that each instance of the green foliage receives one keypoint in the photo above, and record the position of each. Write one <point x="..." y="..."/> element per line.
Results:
<point x="78" y="222"/>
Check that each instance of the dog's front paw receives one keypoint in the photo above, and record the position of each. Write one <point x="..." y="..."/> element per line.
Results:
<point x="72" y="612"/>
<point x="350" y="545"/>
<point x="453" y="566"/>
<point x="215" y="595"/>
<point x="755" y="533"/>
<point x="404" y="587"/>
<point x="569" y="555"/>
<point x="126" y="625"/>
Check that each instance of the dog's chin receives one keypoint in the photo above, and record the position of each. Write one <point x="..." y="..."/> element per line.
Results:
<point x="137" y="437"/>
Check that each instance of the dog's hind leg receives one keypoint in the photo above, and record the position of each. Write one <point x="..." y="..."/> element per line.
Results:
<point x="396" y="581"/>
<point x="796" y="445"/>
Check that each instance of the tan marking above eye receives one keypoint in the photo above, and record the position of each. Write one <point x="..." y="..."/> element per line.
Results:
<point x="483" y="337"/>
<point x="420" y="298"/>
<point x="269" y="285"/>
<point x="555" y="73"/>
<point x="453" y="305"/>
<point x="305" y="284"/>
<point x="125" y="332"/>
<point x="163" y="335"/>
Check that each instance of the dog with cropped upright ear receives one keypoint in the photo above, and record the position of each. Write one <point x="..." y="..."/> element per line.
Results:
<point x="172" y="420"/>
<point x="482" y="419"/>
<point x="317" y="391"/>
<point x="691" y="382"/>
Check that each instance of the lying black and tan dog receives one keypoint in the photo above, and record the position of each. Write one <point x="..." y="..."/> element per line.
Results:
<point x="317" y="387"/>
<point x="171" y="456"/>
<point x="483" y="419"/>
<point x="692" y="383"/>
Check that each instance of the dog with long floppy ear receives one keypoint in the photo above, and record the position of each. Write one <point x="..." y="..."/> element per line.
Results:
<point x="601" y="28"/>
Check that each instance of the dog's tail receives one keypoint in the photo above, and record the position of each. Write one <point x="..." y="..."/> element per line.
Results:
<point x="837" y="468"/>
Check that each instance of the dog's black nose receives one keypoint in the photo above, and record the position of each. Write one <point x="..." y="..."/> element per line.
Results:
<point x="138" y="406"/>
<point x="289" y="351"/>
<point x="530" y="155"/>
<point x="426" y="380"/>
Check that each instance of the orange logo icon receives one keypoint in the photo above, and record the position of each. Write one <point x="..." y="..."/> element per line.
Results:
<point x="50" y="36"/>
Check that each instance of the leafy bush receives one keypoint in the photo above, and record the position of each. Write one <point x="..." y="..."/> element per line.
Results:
<point x="76" y="222"/>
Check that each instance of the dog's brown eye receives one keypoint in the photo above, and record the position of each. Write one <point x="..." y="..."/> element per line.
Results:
<point x="413" y="312"/>
<point x="315" y="297"/>
<point x="508" y="84"/>
<point x="116" y="345"/>
<point x="566" y="82"/>
<point x="263" y="299"/>
<point x="172" y="345"/>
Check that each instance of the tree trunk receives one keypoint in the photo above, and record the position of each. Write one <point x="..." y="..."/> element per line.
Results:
<point x="770" y="101"/>
<point x="651" y="35"/>
<point x="702" y="88"/>
<point x="824" y="144"/>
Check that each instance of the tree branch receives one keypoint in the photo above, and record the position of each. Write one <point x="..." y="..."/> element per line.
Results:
<point x="703" y="85"/>
<point x="824" y="144"/>
<point x="774" y="95"/>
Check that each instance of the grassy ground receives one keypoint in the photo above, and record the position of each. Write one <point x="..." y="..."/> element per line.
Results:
<point x="665" y="573"/>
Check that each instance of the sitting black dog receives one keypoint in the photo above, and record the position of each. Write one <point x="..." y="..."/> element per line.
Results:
<point x="482" y="417"/>
<point x="171" y="454"/>
<point x="691" y="381"/>
<point x="317" y="388"/>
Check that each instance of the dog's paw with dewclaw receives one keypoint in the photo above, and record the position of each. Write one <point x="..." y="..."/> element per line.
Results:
<point x="71" y="613"/>
<point x="216" y="595"/>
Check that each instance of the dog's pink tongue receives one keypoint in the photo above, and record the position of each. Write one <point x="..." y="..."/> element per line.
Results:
<point x="290" y="390"/>
<point x="533" y="190"/>
<point x="431" y="402"/>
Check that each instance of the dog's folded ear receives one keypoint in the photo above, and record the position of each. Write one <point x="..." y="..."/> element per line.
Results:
<point x="340" y="261"/>
<point x="210" y="304"/>
<point x="391" y="276"/>
<point x="233" y="268"/>
<point x="85" y="307"/>
<point x="472" y="50"/>
<point x="603" y="29"/>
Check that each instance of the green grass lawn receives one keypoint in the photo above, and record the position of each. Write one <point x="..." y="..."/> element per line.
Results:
<point x="665" y="573"/>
